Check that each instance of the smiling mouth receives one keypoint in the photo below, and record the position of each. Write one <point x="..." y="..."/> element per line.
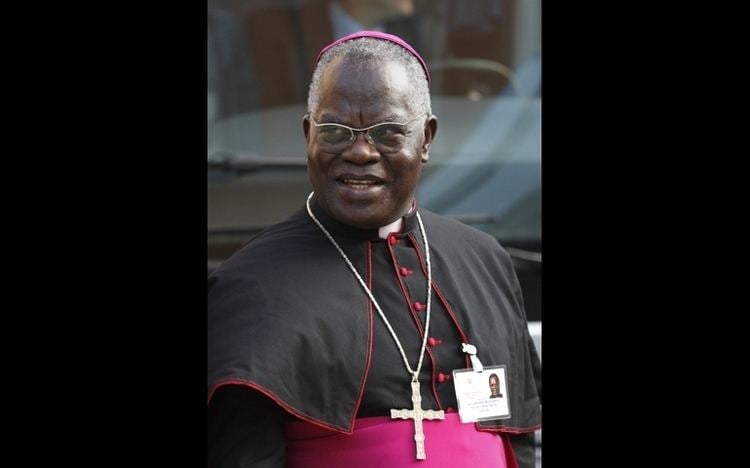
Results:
<point x="359" y="184"/>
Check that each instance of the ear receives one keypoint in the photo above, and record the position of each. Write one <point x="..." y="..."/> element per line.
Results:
<point x="430" y="129"/>
<point x="306" y="127"/>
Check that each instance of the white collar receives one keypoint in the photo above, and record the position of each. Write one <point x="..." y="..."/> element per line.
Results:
<point x="395" y="226"/>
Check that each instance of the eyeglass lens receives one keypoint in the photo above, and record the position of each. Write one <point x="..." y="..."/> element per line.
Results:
<point x="386" y="136"/>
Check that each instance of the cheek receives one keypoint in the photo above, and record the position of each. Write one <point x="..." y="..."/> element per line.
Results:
<point x="318" y="169"/>
<point x="409" y="170"/>
<point x="316" y="159"/>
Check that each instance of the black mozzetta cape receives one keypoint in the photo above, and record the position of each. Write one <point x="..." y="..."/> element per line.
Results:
<point x="287" y="318"/>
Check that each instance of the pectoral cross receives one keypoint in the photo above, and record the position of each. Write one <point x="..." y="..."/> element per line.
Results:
<point x="417" y="414"/>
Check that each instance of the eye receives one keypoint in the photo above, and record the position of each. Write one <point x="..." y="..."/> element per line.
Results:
<point x="333" y="134"/>
<point x="388" y="133"/>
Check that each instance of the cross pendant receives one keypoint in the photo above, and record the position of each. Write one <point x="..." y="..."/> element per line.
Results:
<point x="417" y="414"/>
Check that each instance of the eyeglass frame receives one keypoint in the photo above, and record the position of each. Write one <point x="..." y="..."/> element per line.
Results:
<point x="366" y="130"/>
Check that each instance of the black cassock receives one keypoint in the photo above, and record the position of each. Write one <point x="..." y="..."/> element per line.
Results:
<point x="292" y="334"/>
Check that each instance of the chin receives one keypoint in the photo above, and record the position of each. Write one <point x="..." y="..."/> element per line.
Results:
<point x="359" y="215"/>
<point x="363" y="223"/>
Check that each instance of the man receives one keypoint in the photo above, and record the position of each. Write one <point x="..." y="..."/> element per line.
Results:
<point x="495" y="386"/>
<point x="330" y="327"/>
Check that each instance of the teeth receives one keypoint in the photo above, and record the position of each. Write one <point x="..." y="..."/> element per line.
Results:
<point x="359" y="182"/>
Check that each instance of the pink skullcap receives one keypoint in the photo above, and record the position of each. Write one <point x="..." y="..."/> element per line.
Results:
<point x="377" y="35"/>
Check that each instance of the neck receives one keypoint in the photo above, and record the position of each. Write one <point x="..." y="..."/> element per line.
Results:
<point x="405" y="224"/>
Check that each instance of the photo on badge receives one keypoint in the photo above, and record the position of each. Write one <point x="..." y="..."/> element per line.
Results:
<point x="482" y="396"/>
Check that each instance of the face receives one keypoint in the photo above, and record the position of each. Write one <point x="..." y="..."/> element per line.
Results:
<point x="359" y="185"/>
<point x="494" y="386"/>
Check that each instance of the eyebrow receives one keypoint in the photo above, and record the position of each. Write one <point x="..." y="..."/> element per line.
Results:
<point x="332" y="118"/>
<point x="391" y="118"/>
<point x="329" y="118"/>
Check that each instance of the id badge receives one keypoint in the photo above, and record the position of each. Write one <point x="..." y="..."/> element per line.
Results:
<point x="482" y="396"/>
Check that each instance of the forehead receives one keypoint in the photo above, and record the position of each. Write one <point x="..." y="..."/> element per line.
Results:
<point x="368" y="89"/>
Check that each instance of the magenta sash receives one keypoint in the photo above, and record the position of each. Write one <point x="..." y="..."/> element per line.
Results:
<point x="389" y="443"/>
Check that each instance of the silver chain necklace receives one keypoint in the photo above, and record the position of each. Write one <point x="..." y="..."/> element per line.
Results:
<point x="417" y="413"/>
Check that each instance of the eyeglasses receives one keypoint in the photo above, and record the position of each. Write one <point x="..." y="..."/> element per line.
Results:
<point x="385" y="136"/>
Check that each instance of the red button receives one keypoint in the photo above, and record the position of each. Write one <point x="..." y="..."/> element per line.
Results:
<point x="392" y="240"/>
<point x="405" y="271"/>
<point x="419" y="306"/>
<point x="441" y="377"/>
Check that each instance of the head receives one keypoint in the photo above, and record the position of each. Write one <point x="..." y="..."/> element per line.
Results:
<point x="360" y="83"/>
<point x="494" y="384"/>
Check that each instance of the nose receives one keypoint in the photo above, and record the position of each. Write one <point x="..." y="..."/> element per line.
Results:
<point x="361" y="151"/>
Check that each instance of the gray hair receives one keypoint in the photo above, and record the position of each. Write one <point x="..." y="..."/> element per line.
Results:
<point x="367" y="50"/>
